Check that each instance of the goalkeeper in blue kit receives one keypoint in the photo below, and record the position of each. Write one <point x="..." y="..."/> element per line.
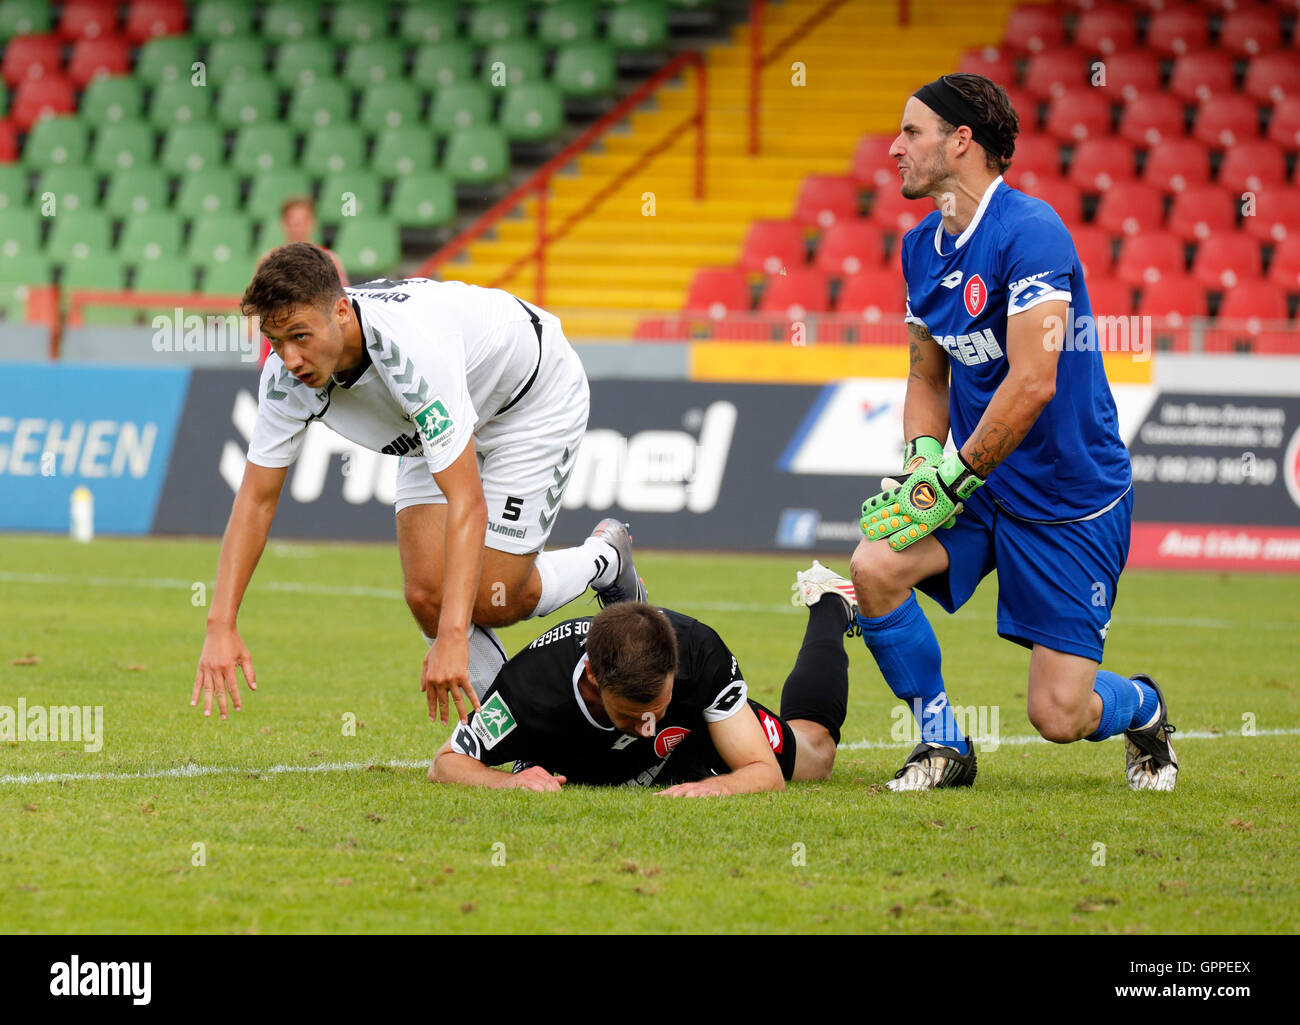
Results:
<point x="1039" y="486"/>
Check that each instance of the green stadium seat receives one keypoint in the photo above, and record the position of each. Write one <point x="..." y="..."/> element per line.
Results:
<point x="23" y="267"/>
<point x="74" y="236"/>
<point x="289" y="20"/>
<point x="402" y="151"/>
<point x="208" y="192"/>
<point x="317" y="106"/>
<point x="429" y="22"/>
<point x="136" y="191"/>
<point x="190" y="148"/>
<point x="438" y="65"/>
<point x="334" y="149"/>
<point x="304" y="62"/>
<point x="477" y="156"/>
<point x="585" y="69"/>
<point x="572" y="21"/>
<point x="425" y="199"/>
<point x="167" y="59"/>
<point x="369" y="63"/>
<point x="179" y="103"/>
<point x="248" y="101"/>
<point x="150" y="237"/>
<point x="390" y="105"/>
<point x="638" y="25"/>
<point x="460" y="106"/>
<point x="359" y="21"/>
<point x="270" y="189"/>
<point x="222" y="19"/>
<point x="348" y="195"/>
<point x="24" y="18"/>
<point x="513" y="63"/>
<point x="94" y="269"/>
<point x="264" y="147"/>
<point x="532" y="113"/>
<point x="230" y="278"/>
<point x="20" y="235"/>
<point x="123" y="144"/>
<point x="232" y="60"/>
<point x="367" y="247"/>
<point x="497" y="20"/>
<point x="73" y="186"/>
<point x="13" y="187"/>
<point x="4" y="97"/>
<point x="56" y="141"/>
<point x="219" y="239"/>
<point x="115" y="98"/>
<point x="164" y="276"/>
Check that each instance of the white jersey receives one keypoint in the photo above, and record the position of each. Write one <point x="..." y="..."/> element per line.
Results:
<point x="446" y="363"/>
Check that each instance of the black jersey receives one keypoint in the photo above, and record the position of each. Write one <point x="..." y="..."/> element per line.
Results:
<point x="533" y="712"/>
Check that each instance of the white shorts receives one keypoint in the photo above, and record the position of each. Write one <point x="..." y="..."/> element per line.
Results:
<point x="524" y="458"/>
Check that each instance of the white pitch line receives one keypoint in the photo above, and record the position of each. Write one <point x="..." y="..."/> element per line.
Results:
<point x="193" y="771"/>
<point x="778" y="608"/>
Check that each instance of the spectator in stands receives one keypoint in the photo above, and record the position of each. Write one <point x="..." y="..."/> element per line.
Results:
<point x="298" y="222"/>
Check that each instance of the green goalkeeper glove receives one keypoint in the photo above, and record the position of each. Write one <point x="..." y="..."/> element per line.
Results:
<point x="922" y="451"/>
<point x="931" y="497"/>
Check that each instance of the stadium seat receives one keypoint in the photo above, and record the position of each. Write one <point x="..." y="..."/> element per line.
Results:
<point x="229" y="278"/>
<point x="149" y="237"/>
<point x="477" y="156"/>
<point x="179" y="103"/>
<point x="513" y="62"/>
<point x="93" y="268"/>
<point x="270" y="189"/>
<point x="1172" y="299"/>
<point x="534" y="113"/>
<point x="459" y="107"/>
<point x="1062" y="196"/>
<point x="55" y="141"/>
<point x="347" y="195"/>
<point x="1254" y="300"/>
<point x="1284" y="125"/>
<point x="373" y="62"/>
<point x="1132" y="73"/>
<point x="333" y="149"/>
<point x="36" y="98"/>
<point x="431" y="22"/>
<point x="303" y="61"/>
<point x="772" y="246"/>
<point x="75" y="187"/>
<point x="1201" y="210"/>
<point x="872" y="293"/>
<point x="1250" y="31"/>
<point x="1036" y="156"/>
<point x="88" y="19"/>
<point x="24" y="18"/>
<point x="393" y="104"/>
<point x="1224" y="260"/>
<point x="207" y="192"/>
<point x="248" y="101"/>
<point x="1151" y="119"/>
<point x="1106" y="30"/>
<point x="230" y="60"/>
<point x="425" y="199"/>
<point x="718" y="291"/>
<point x="188" y="148"/>
<point x="260" y="148"/>
<point x="1271" y="77"/>
<point x="1054" y="72"/>
<point x="1033" y="28"/>
<point x="124" y="144"/>
<point x="93" y="58"/>
<point x="492" y="21"/>
<point x="74" y="235"/>
<point x="219" y="239"/>
<point x="31" y="57"/>
<point x="895" y="215"/>
<point x="13" y="187"/>
<point x="148" y="18"/>
<point x="585" y="69"/>
<point x="1079" y="114"/>
<point x="1285" y="268"/>
<point x="637" y="25"/>
<point x="1224" y="121"/>
<point x="796" y="293"/>
<point x="1276" y="214"/>
<point x="1109" y="296"/>
<point x="825" y="199"/>
<point x="8" y="141"/>
<point x="166" y="59"/>
<point x="1253" y="164"/>
<point x="1094" y="247"/>
<point x="438" y="65"/>
<point x="1129" y="208"/>
<point x="1177" y="30"/>
<point x="135" y="191"/>
<point x="1199" y="75"/>
<point x="164" y="276"/>
<point x="991" y="62"/>
<point x="872" y="166"/>
<point x="848" y="246"/>
<point x="287" y="21"/>
<point x="112" y="99"/>
<point x="21" y="232"/>
<point x="1099" y="163"/>
<point x="319" y="105"/>
<point x="1027" y="108"/>
<point x="368" y="246"/>
<point x="1149" y="257"/>
<point x="1173" y="164"/>
<point x="359" y="21"/>
<point x="222" y="19"/>
<point x="402" y="151"/>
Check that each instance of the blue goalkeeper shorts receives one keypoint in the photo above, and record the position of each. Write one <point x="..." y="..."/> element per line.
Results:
<point x="1056" y="581"/>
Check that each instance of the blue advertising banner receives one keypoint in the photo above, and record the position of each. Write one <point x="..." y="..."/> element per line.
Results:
<point x="110" y="429"/>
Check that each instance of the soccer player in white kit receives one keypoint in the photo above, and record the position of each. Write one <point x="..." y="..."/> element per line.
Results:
<point x="486" y="403"/>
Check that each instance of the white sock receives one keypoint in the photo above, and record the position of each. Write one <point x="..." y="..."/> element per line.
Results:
<point x="486" y="656"/>
<point x="567" y="572"/>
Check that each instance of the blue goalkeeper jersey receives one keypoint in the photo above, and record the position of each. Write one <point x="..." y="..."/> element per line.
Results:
<point x="1015" y="254"/>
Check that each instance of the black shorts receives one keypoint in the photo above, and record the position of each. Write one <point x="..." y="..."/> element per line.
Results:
<point x="696" y="758"/>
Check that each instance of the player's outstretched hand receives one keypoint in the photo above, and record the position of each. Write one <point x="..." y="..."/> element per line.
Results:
<point x="223" y="650"/>
<point x="931" y="497"/>
<point x="536" y="778"/>
<point x="446" y="671"/>
<point x="700" y="788"/>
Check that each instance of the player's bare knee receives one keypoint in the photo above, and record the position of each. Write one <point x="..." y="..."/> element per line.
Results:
<point x="425" y="604"/>
<point x="877" y="578"/>
<point x="816" y="751"/>
<point x="1054" y="723"/>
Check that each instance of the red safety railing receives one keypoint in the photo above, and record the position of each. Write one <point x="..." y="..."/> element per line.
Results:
<point x="190" y="302"/>
<point x="540" y="181"/>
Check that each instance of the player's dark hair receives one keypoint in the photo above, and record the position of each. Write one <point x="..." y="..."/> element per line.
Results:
<point x="631" y="648"/>
<point x="991" y="103"/>
<point x="297" y="274"/>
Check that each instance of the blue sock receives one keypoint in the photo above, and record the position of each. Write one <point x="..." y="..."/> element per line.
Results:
<point x="1146" y="707"/>
<point x="1119" y="703"/>
<point x="907" y="652"/>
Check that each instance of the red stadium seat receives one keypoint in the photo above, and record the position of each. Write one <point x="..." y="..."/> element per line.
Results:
<point x="1079" y="114"/>
<point x="1224" y="260"/>
<point x="1273" y="76"/>
<point x="8" y="141"/>
<point x="1026" y="107"/>
<point x="796" y="293"/>
<point x="1275" y="215"/>
<point x="894" y="214"/>
<point x="1149" y="257"/>
<point x="1198" y="76"/>
<point x="31" y="57"/>
<point x="1174" y="164"/>
<point x="39" y="97"/>
<point x="1036" y="156"/>
<point x="1202" y="210"/>
<point x="773" y="246"/>
<point x="1133" y="72"/>
<point x="148" y="18"/>
<point x="1285" y="268"/>
<point x="1094" y="248"/>
<point x="849" y="246"/>
<point x="1100" y="163"/>
<point x="825" y="199"/>
<point x="1251" y="31"/>
<point x="1150" y="118"/>
<point x="1131" y="207"/>
<point x="872" y="166"/>
<point x="1172" y="299"/>
<point x="1053" y="72"/>
<point x="991" y="62"/>
<point x="1109" y="296"/>
<point x="1253" y="164"/>
<point x="1277" y="343"/>
<point x="94" y="58"/>
<point x="872" y="293"/>
<point x="88" y="19"/>
<point x="1033" y="28"/>
<point x="1061" y="195"/>
<point x="1254" y="300"/>
<point x="1106" y="30"/>
<point x="718" y="291"/>
<point x="663" y="329"/>
<point x="1224" y="121"/>
<point x="1284" y="125"/>
<point x="1177" y="30"/>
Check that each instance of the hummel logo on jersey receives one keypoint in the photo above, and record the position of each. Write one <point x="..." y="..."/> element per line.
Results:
<point x="972" y="349"/>
<point x="952" y="280"/>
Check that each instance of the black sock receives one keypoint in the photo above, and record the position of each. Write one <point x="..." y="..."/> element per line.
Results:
<point x="818" y="685"/>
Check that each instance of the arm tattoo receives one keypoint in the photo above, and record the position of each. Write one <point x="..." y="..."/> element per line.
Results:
<point x="990" y="445"/>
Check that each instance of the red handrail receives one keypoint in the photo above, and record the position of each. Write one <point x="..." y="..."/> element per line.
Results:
<point x="539" y="182"/>
<point x="79" y="298"/>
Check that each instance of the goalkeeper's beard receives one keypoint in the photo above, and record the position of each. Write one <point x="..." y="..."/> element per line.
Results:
<point x="926" y="181"/>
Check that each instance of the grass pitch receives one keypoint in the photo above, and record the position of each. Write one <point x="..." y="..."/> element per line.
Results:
<point x="141" y="837"/>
